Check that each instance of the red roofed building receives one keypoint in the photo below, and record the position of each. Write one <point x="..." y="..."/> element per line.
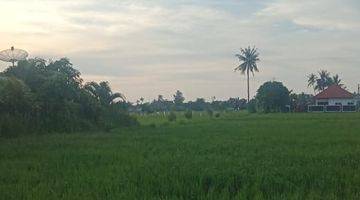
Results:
<point x="335" y="95"/>
<point x="334" y="99"/>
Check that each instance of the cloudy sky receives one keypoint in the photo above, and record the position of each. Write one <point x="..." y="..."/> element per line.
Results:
<point x="150" y="47"/>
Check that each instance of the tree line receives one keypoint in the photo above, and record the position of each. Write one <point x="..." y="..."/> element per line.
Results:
<point x="178" y="104"/>
<point x="45" y="96"/>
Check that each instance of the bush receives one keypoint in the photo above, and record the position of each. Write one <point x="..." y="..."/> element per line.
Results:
<point x="217" y="115"/>
<point x="188" y="114"/>
<point x="172" y="116"/>
<point x="251" y="106"/>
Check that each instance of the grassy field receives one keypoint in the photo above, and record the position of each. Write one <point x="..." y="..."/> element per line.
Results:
<point x="236" y="156"/>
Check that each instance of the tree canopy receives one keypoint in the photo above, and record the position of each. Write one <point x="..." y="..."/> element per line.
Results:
<point x="272" y="96"/>
<point x="37" y="96"/>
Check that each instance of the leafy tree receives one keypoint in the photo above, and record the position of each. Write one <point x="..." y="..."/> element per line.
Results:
<point x="179" y="101"/>
<point x="272" y="96"/>
<point x="236" y="103"/>
<point x="50" y="96"/>
<point x="248" y="58"/>
<point x="300" y="102"/>
<point x="179" y="98"/>
<point x="15" y="97"/>
<point x="199" y="105"/>
<point x="159" y="104"/>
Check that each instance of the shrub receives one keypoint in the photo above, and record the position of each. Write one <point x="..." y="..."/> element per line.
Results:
<point x="188" y="114"/>
<point x="217" y="115"/>
<point x="251" y="106"/>
<point x="172" y="116"/>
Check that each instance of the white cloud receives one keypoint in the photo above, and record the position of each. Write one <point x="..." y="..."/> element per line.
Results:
<point x="321" y="14"/>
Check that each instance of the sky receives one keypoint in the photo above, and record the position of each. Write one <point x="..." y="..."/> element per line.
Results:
<point x="144" y="48"/>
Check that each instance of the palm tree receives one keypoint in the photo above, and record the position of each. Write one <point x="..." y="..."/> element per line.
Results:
<point x="103" y="93"/>
<point x="337" y="81"/>
<point x="312" y="78"/>
<point x="248" y="58"/>
<point x="324" y="80"/>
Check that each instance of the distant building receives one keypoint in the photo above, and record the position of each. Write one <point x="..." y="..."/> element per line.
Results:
<point x="335" y="95"/>
<point x="334" y="99"/>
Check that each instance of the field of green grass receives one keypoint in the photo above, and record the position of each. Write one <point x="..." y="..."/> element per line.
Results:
<point x="236" y="156"/>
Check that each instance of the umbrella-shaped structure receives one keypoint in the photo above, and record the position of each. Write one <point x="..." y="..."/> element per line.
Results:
<point x="13" y="55"/>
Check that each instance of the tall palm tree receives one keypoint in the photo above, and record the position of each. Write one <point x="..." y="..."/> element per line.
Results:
<point x="248" y="59"/>
<point x="103" y="93"/>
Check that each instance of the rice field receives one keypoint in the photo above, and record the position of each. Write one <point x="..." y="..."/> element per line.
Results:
<point x="234" y="156"/>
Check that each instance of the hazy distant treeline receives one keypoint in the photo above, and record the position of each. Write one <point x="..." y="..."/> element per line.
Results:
<point x="178" y="104"/>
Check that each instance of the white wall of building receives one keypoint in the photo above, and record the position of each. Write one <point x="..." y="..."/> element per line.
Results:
<point x="335" y="101"/>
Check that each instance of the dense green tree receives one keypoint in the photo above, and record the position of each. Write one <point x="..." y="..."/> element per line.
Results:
<point x="272" y="96"/>
<point x="50" y="96"/>
<point x="300" y="102"/>
<point x="236" y="103"/>
<point x="15" y="97"/>
<point x="248" y="58"/>
<point x="179" y="98"/>
<point x="199" y="105"/>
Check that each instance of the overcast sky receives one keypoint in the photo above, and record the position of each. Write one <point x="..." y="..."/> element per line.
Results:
<point x="145" y="48"/>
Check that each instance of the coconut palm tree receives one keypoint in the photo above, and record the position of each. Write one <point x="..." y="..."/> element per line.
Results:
<point x="324" y="80"/>
<point x="103" y="93"/>
<point x="337" y="81"/>
<point x="248" y="59"/>
<point x="312" y="81"/>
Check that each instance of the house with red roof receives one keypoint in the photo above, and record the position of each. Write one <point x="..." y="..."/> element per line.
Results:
<point x="334" y="99"/>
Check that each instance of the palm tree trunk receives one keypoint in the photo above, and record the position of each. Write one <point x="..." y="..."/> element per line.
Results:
<point x="248" y="88"/>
